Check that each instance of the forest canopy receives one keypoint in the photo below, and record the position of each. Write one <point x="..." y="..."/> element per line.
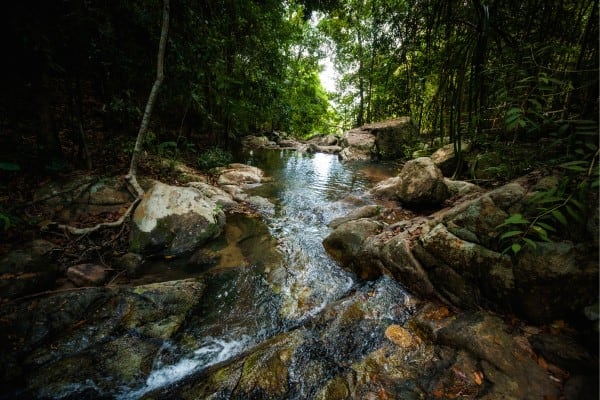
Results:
<point x="501" y="69"/>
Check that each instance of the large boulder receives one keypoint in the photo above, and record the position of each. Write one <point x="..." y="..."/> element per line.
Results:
<point x="173" y="220"/>
<point x="421" y="184"/>
<point x="382" y="140"/>
<point x="358" y="145"/>
<point x="95" y="340"/>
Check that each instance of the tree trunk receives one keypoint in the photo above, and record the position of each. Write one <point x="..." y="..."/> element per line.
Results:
<point x="132" y="174"/>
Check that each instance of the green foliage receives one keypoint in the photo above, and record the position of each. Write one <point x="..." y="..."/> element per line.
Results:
<point x="553" y="212"/>
<point x="9" y="166"/>
<point x="7" y="220"/>
<point x="213" y="157"/>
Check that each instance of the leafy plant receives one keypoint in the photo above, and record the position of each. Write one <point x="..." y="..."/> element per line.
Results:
<point x="213" y="157"/>
<point x="9" y="166"/>
<point x="550" y="212"/>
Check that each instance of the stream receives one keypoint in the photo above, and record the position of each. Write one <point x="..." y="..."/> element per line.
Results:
<point x="263" y="312"/>
<point x="281" y="275"/>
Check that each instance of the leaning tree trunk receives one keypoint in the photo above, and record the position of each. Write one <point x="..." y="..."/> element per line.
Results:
<point x="132" y="174"/>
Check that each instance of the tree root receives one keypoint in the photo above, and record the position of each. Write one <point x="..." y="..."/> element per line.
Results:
<point x="82" y="231"/>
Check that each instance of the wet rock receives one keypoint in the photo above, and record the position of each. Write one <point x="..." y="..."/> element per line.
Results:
<point x="204" y="257"/>
<point x="261" y="204"/>
<point x="174" y="220"/>
<point x="421" y="184"/>
<point x="368" y="211"/>
<point x="346" y="242"/>
<point x="87" y="274"/>
<point x="402" y="337"/>
<point x="28" y="269"/>
<point x="89" y="341"/>
<point x="130" y="262"/>
<point x="445" y="158"/>
<point x="581" y="387"/>
<point x="564" y="352"/>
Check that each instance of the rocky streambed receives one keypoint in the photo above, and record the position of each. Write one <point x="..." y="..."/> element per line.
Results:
<point x="403" y="305"/>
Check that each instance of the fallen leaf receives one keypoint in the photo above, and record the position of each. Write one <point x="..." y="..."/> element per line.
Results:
<point x="478" y="377"/>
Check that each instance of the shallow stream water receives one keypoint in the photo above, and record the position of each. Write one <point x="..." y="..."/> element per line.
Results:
<point x="273" y="273"/>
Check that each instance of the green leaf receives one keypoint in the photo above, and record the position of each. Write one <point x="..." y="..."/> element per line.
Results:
<point x="577" y="204"/>
<point x="530" y="243"/>
<point x="541" y="232"/>
<point x="4" y="222"/>
<point x="510" y="234"/>
<point x="547" y="227"/>
<point x="576" y="216"/>
<point x="516" y="219"/>
<point x="559" y="217"/>
<point x="165" y="145"/>
<point x="516" y="247"/>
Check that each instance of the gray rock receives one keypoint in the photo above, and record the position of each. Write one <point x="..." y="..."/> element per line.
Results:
<point x="368" y="211"/>
<point x="109" y="191"/>
<point x="174" y="220"/>
<point x="345" y="243"/>
<point x="256" y="142"/>
<point x="461" y="188"/>
<point x="478" y="266"/>
<point x="215" y="194"/>
<point x="421" y="184"/>
<point x="240" y="174"/>
<point x="386" y="189"/>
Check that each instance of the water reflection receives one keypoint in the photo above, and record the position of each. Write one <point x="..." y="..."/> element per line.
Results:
<point x="309" y="191"/>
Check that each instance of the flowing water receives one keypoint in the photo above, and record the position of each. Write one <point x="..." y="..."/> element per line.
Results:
<point x="282" y="275"/>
